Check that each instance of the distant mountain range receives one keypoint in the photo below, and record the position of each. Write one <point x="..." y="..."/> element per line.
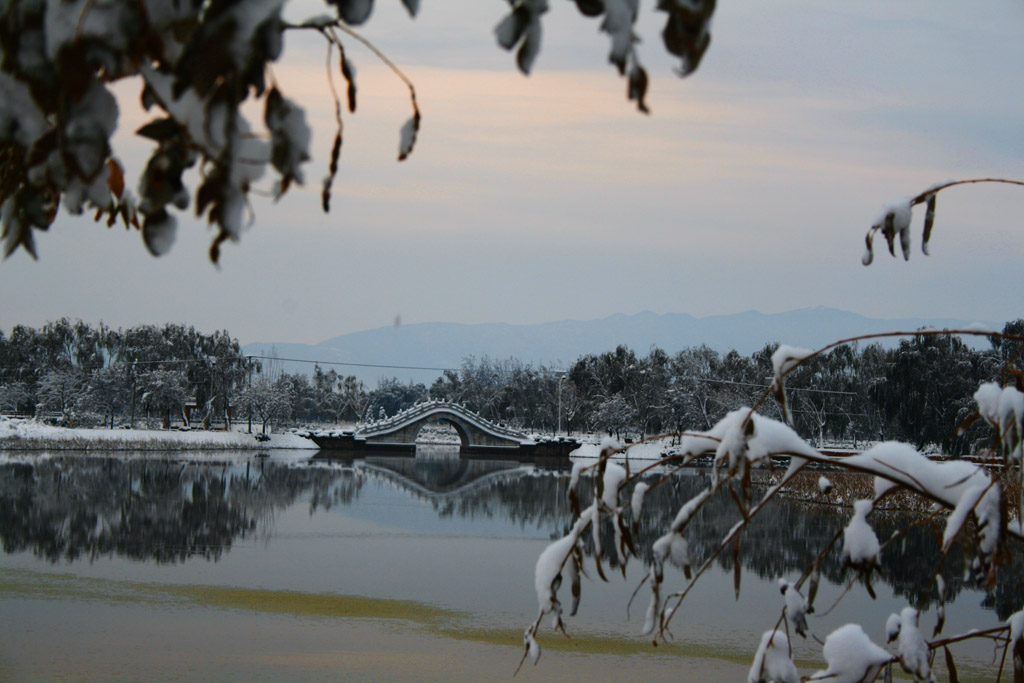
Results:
<point x="431" y="347"/>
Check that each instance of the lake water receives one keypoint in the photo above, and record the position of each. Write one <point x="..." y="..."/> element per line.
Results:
<point x="236" y="566"/>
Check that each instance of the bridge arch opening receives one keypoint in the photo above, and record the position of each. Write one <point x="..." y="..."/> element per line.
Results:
<point x="442" y="431"/>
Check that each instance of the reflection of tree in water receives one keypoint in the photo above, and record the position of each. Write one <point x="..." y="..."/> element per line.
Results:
<point x="788" y="535"/>
<point x="68" y="508"/>
<point x="785" y="539"/>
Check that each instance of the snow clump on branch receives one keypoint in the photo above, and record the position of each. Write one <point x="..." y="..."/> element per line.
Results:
<point x="796" y="607"/>
<point x="893" y="221"/>
<point x="772" y="662"/>
<point x="1003" y="408"/>
<point x="913" y="650"/>
<point x="744" y="438"/>
<point x="851" y="656"/>
<point x="784" y="359"/>
<point x="860" y="544"/>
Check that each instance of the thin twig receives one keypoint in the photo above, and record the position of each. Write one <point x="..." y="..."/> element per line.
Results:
<point x="923" y="197"/>
<point x="382" y="57"/>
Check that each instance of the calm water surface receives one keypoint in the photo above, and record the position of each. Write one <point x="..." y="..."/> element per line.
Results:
<point x="229" y="565"/>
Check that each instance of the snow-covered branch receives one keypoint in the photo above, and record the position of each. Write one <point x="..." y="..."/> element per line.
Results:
<point x="893" y="221"/>
<point x="970" y="496"/>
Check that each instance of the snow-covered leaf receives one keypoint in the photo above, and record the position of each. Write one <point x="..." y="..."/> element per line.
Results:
<point x="532" y="648"/>
<point x="408" y="136"/>
<point x="929" y="221"/>
<point x="913" y="650"/>
<point x="796" y="607"/>
<point x="529" y="48"/>
<point x="653" y="609"/>
<point x="983" y="500"/>
<point x="784" y="359"/>
<point x="860" y="544"/>
<point x="348" y="72"/>
<point x="90" y="123"/>
<point x="522" y="27"/>
<point x="773" y="662"/>
<point x="637" y="89"/>
<point x="869" y="249"/>
<point x="687" y="31"/>
<point x="636" y="504"/>
<point x="353" y="12"/>
<point x="510" y="29"/>
<point x="573" y="569"/>
<point x="158" y="232"/>
<point x="547" y="573"/>
<point x="619" y="18"/>
<point x="614" y="476"/>
<point x="894" y="222"/>
<point x="412" y="6"/>
<point x="769" y="436"/>
<point x="590" y="8"/>
<point x="289" y="137"/>
<point x="892" y="627"/>
<point x="1003" y="408"/>
<point x="673" y="548"/>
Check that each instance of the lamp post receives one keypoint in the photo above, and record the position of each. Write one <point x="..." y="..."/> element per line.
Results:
<point x="133" y="395"/>
<point x="561" y="376"/>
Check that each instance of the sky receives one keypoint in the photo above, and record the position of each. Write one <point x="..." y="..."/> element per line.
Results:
<point x="533" y="199"/>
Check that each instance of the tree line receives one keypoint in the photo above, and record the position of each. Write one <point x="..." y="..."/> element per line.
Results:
<point x="75" y="372"/>
<point x="919" y="391"/>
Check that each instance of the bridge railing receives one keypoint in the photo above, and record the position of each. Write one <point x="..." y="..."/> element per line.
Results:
<point x="421" y="409"/>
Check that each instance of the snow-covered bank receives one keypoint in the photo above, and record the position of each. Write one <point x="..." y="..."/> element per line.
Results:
<point x="655" y="449"/>
<point x="18" y="434"/>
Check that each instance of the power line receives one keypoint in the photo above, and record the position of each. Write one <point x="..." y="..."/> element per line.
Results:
<point x="762" y="387"/>
<point x="564" y="373"/>
<point x="557" y="372"/>
<point x="171" y="361"/>
<point x="355" y="365"/>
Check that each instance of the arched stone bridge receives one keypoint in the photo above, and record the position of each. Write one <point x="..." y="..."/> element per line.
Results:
<point x="474" y="431"/>
<point x="476" y="434"/>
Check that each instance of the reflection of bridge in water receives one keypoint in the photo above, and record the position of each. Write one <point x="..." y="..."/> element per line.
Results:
<point x="441" y="479"/>
<point x="477" y="435"/>
<point x="448" y="476"/>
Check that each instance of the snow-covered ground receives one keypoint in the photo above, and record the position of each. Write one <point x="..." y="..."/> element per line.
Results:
<point x="29" y="434"/>
<point x="655" y="449"/>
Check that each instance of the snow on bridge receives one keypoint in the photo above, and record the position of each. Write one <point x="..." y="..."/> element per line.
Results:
<point x="473" y="430"/>
<point x="476" y="434"/>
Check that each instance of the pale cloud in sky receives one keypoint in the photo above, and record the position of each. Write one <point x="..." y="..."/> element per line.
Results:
<point x="533" y="199"/>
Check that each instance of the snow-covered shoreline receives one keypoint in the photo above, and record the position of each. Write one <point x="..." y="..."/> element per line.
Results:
<point x="590" y="449"/>
<point x="20" y="434"/>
